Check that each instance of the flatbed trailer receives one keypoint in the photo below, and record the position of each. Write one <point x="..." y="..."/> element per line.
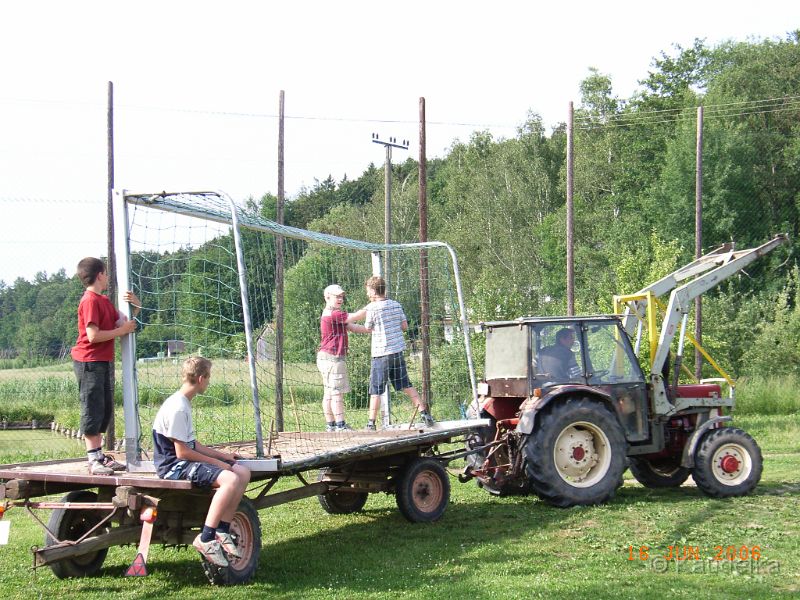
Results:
<point x="98" y="512"/>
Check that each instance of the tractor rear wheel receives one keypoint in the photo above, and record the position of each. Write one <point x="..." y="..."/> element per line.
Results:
<point x="727" y="463"/>
<point x="576" y="453"/>
<point x="664" y="472"/>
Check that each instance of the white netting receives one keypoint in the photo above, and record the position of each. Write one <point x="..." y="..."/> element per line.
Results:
<point x="183" y="266"/>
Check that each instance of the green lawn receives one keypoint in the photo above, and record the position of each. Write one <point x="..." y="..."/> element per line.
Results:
<point x="486" y="547"/>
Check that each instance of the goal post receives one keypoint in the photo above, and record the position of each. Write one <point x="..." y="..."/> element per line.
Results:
<point x="204" y="269"/>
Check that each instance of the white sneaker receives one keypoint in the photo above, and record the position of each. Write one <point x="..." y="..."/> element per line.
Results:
<point x="211" y="551"/>
<point x="226" y="541"/>
<point x="96" y="467"/>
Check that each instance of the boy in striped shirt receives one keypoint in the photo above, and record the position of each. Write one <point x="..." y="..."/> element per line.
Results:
<point x="387" y="322"/>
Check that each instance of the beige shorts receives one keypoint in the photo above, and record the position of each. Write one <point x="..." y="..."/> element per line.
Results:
<point x="334" y="373"/>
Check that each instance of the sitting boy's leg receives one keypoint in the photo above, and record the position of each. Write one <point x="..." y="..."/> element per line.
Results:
<point x="230" y="486"/>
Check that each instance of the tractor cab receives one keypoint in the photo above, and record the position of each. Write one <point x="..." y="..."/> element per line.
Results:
<point x="546" y="357"/>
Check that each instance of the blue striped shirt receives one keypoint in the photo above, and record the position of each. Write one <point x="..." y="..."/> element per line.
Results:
<point x="385" y="318"/>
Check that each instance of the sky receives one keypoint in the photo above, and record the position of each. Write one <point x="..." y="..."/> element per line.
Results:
<point x="196" y="88"/>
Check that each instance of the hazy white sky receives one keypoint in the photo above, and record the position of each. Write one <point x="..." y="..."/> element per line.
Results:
<point x="196" y="87"/>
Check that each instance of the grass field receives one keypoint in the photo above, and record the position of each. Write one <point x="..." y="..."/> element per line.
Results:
<point x="486" y="547"/>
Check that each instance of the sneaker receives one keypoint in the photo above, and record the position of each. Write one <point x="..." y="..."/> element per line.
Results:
<point x="226" y="541"/>
<point x="211" y="551"/>
<point x="109" y="462"/>
<point x="343" y="427"/>
<point x="330" y="428"/>
<point x="427" y="420"/>
<point x="370" y="427"/>
<point x="96" y="467"/>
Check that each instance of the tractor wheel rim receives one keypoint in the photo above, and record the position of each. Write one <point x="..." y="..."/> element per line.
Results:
<point x="731" y="464"/>
<point x="582" y="454"/>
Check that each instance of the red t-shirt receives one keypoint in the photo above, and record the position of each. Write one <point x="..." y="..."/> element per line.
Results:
<point x="333" y="330"/>
<point x="97" y="309"/>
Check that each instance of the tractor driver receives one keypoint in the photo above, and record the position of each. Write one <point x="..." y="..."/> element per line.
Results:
<point x="558" y="361"/>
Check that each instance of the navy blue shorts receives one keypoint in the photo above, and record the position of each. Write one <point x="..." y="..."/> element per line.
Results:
<point x="201" y="474"/>
<point x="391" y="367"/>
<point x="97" y="397"/>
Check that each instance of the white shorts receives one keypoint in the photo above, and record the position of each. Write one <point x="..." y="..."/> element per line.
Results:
<point x="334" y="373"/>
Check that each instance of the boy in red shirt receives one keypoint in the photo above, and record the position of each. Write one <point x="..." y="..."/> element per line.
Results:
<point x="93" y="359"/>
<point x="334" y="324"/>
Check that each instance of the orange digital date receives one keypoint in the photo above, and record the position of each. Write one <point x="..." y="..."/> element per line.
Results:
<point x="684" y="552"/>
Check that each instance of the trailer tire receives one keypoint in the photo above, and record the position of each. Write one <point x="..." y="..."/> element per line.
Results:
<point x="659" y="472"/>
<point x="341" y="503"/>
<point x="70" y="525"/>
<point x="727" y="463"/>
<point x="246" y="530"/>
<point x="423" y="491"/>
<point x="576" y="453"/>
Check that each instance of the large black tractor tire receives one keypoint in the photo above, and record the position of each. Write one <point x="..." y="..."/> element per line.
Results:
<point x="576" y="453"/>
<point x="658" y="473"/>
<point x="727" y="463"/>
<point x="497" y="484"/>
<point x="341" y="503"/>
<point x="72" y="524"/>
<point x="246" y="531"/>
<point x="423" y="491"/>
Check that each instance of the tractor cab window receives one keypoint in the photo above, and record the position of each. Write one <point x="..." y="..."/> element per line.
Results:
<point x="610" y="359"/>
<point x="557" y="356"/>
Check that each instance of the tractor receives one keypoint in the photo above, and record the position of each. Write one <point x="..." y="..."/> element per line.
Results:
<point x="574" y="401"/>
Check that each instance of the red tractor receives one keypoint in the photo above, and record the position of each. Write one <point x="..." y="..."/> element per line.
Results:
<point x="572" y="407"/>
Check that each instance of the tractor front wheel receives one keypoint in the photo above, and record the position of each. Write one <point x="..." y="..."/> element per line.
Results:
<point x="727" y="463"/>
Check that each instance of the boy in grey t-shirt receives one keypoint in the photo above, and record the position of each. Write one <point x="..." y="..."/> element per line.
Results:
<point x="387" y="322"/>
<point x="178" y="455"/>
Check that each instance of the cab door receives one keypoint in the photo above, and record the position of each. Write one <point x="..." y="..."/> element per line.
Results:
<point x="612" y="367"/>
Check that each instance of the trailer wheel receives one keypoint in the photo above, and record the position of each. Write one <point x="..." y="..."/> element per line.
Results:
<point x="727" y="463"/>
<point x="576" y="453"/>
<point x="656" y="473"/>
<point x="341" y="503"/>
<point x="423" y="491"/>
<point x="246" y="530"/>
<point x="71" y="524"/>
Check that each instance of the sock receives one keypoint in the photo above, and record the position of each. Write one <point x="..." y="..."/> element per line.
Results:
<point x="423" y="412"/>
<point x="207" y="534"/>
<point x="224" y="527"/>
<point x="331" y="423"/>
<point x="340" y="423"/>
<point x="95" y="454"/>
<point x="371" y="422"/>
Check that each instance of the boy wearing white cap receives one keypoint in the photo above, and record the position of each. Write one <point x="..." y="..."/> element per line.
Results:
<point x="333" y="325"/>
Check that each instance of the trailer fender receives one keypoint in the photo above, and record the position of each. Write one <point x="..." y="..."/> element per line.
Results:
<point x="533" y="405"/>
<point x="687" y="460"/>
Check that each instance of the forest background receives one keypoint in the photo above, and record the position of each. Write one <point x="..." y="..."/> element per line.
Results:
<point x="501" y="204"/>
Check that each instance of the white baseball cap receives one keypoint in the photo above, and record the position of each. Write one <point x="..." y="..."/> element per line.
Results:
<point x="333" y="290"/>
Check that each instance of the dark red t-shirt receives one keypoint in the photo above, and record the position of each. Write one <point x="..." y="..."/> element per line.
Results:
<point x="97" y="309"/>
<point x="333" y="330"/>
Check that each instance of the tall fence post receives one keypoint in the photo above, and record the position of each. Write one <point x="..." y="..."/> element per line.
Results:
<point x="698" y="240"/>
<point x="279" y="277"/>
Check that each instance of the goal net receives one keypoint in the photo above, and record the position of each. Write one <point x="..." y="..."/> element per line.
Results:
<point x="214" y="279"/>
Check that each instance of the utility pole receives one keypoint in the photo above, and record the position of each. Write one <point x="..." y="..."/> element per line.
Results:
<point x="570" y="214"/>
<point x="387" y="215"/>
